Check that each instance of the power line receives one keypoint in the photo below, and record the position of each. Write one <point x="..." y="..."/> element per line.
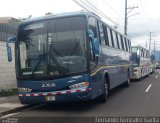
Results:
<point x="91" y="8"/>
<point x="101" y="13"/>
<point x="145" y="16"/>
<point x="84" y="6"/>
<point x="111" y="8"/>
<point x="117" y="13"/>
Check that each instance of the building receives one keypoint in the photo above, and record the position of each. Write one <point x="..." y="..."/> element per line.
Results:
<point x="4" y="20"/>
<point x="8" y="27"/>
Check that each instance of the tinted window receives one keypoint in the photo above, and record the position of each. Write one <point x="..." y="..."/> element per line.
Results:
<point x="106" y="35"/>
<point x="93" y="25"/>
<point x="112" y="37"/>
<point x="55" y="47"/>
<point x="109" y="37"/>
<point x="101" y="33"/>
<point x="125" y="41"/>
<point x="120" y="43"/>
<point x="129" y="45"/>
<point x="117" y="40"/>
<point x="141" y="52"/>
<point x="66" y="24"/>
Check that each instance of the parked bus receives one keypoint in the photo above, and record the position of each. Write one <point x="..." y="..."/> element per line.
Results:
<point x="141" y="62"/>
<point x="69" y="57"/>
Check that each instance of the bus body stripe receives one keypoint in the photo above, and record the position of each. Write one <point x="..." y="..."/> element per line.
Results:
<point x="55" y="93"/>
<point x="109" y="66"/>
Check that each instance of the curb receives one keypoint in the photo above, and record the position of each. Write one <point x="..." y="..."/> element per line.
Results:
<point x="18" y="109"/>
<point x="8" y="92"/>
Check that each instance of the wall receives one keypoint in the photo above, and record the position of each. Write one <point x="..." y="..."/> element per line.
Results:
<point x="7" y="69"/>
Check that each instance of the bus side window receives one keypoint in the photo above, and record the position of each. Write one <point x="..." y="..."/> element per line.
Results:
<point x="119" y="39"/>
<point x="93" y="25"/>
<point x="101" y="33"/>
<point x="109" y="37"/>
<point x="129" y="45"/>
<point x="146" y="53"/>
<point x="122" y="42"/>
<point x="92" y="22"/>
<point x="141" y="52"/>
<point x="112" y="38"/>
<point x="126" y="44"/>
<point x="106" y="35"/>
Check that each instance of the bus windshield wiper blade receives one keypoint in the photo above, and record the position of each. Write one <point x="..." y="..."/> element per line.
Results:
<point x="41" y="58"/>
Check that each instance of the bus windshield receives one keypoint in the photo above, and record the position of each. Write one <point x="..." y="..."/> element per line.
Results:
<point x="135" y="56"/>
<point x="52" y="48"/>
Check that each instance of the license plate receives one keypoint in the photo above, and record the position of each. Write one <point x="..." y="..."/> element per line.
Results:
<point x="50" y="98"/>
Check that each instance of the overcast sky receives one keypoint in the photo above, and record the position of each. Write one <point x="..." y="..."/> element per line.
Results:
<point x="147" y="18"/>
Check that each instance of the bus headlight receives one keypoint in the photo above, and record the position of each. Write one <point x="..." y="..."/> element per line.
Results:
<point x="24" y="89"/>
<point x="79" y="85"/>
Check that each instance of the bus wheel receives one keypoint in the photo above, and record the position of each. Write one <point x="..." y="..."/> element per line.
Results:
<point x="103" y="98"/>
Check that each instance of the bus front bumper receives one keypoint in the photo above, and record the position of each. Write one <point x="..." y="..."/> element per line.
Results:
<point x="55" y="97"/>
<point x="136" y="73"/>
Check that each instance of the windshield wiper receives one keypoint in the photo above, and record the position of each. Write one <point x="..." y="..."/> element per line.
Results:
<point x="41" y="57"/>
<point x="28" y="42"/>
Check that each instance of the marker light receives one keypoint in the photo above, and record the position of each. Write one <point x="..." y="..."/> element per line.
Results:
<point x="79" y="85"/>
<point x="24" y="89"/>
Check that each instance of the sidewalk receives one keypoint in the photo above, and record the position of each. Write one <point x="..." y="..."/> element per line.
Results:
<point x="10" y="104"/>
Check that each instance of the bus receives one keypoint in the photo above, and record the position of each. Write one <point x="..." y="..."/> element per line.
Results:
<point x="141" y="62"/>
<point x="69" y="57"/>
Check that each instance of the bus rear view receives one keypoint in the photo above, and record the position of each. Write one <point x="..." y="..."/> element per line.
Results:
<point x="51" y="60"/>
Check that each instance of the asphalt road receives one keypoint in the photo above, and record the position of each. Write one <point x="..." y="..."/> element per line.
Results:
<point x="141" y="99"/>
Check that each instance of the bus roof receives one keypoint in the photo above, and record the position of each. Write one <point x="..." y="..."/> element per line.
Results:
<point x="68" y="14"/>
<point x="138" y="46"/>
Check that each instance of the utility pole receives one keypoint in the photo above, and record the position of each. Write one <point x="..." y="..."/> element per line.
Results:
<point x="126" y="16"/>
<point x="154" y="48"/>
<point x="150" y="38"/>
<point x="125" y="21"/>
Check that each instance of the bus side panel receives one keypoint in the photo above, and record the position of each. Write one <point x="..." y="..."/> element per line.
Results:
<point x="117" y="63"/>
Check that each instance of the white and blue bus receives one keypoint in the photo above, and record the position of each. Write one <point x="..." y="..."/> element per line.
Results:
<point x="141" y="62"/>
<point x="69" y="57"/>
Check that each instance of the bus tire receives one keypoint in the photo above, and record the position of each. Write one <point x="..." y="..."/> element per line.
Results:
<point x="103" y="98"/>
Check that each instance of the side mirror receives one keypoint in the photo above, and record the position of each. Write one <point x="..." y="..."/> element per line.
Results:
<point x="12" y="39"/>
<point x="9" y="50"/>
<point x="9" y="53"/>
